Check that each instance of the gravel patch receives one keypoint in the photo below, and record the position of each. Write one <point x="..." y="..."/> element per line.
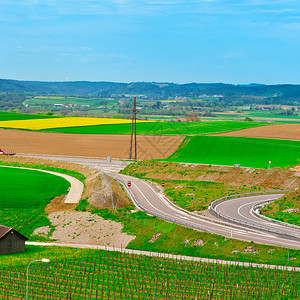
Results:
<point x="42" y="231"/>
<point x="87" y="228"/>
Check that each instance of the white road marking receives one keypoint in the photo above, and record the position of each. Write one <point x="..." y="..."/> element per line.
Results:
<point x="181" y="216"/>
<point x="163" y="213"/>
<point x="258" y="221"/>
<point x="238" y="211"/>
<point x="234" y="199"/>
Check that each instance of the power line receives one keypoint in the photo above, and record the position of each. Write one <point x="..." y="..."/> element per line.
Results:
<point x="133" y="129"/>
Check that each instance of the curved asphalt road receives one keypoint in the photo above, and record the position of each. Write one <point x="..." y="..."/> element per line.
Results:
<point x="241" y="209"/>
<point x="147" y="195"/>
<point x="149" y="198"/>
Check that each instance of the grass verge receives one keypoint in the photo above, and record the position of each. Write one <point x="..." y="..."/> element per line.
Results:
<point x="198" y="195"/>
<point x="285" y="209"/>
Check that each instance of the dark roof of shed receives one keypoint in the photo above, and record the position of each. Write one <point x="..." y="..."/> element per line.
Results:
<point x="5" y="230"/>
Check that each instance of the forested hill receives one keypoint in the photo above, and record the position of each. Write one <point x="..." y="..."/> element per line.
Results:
<point x="257" y="93"/>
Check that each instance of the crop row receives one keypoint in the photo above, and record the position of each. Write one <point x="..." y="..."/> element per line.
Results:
<point x="122" y="276"/>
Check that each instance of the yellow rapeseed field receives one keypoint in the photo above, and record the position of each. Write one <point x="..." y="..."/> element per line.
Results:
<point x="38" y="124"/>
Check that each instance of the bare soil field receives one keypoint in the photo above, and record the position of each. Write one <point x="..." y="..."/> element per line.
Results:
<point x="285" y="132"/>
<point x="92" y="145"/>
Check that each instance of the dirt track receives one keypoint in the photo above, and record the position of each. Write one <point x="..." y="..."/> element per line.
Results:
<point x="92" y="145"/>
<point x="286" y="132"/>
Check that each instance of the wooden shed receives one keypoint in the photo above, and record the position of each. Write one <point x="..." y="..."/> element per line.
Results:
<point x="11" y="241"/>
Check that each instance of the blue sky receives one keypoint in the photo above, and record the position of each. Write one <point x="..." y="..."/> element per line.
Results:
<point x="155" y="40"/>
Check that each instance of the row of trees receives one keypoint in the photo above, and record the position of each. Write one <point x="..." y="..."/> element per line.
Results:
<point x="253" y="93"/>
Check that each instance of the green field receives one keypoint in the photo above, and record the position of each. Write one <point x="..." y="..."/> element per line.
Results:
<point x="271" y="115"/>
<point x="7" y="116"/>
<point x="163" y="128"/>
<point x="248" y="152"/>
<point x="23" y="196"/>
<point x="50" y="101"/>
<point x="92" y="274"/>
<point x="263" y="116"/>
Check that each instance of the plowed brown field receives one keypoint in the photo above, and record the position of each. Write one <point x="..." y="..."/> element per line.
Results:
<point x="286" y="132"/>
<point x="92" y="145"/>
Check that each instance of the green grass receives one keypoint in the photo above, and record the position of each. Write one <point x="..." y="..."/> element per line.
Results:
<point x="292" y="218"/>
<point x="94" y="274"/>
<point x="7" y="116"/>
<point x="198" y="195"/>
<point x="276" y="209"/>
<point x="163" y="128"/>
<point x="23" y="196"/>
<point x="248" y="152"/>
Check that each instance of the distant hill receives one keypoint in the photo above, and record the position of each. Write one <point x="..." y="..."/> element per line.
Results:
<point x="252" y="93"/>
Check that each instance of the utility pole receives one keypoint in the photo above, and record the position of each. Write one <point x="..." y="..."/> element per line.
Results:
<point x="133" y="128"/>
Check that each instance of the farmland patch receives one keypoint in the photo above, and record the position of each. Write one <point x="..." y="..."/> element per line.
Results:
<point x="59" y="122"/>
<point x="163" y="128"/>
<point x="286" y="132"/>
<point x="116" y="146"/>
<point x="111" y="275"/>
<point x="248" y="152"/>
<point x="7" y="116"/>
